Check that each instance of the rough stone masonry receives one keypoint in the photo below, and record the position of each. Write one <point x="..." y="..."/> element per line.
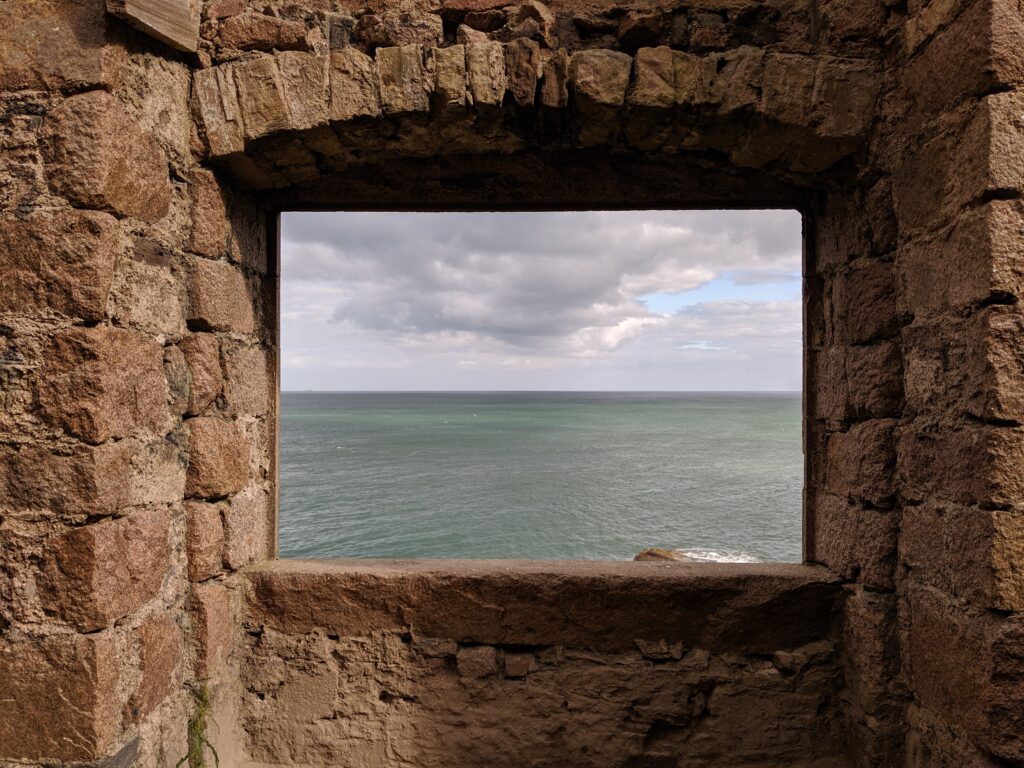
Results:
<point x="147" y="149"/>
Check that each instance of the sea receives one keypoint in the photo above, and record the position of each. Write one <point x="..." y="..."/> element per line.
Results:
<point x="541" y="475"/>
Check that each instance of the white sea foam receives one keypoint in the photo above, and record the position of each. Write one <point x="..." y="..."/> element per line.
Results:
<point x="718" y="555"/>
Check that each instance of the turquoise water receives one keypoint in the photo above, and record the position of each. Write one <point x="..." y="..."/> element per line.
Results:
<point x="540" y="475"/>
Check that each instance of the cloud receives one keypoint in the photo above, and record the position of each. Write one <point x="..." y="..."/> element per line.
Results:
<point x="480" y="293"/>
<point x="761" y="278"/>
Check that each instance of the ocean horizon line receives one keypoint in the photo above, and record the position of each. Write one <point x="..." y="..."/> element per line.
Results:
<point x="541" y="391"/>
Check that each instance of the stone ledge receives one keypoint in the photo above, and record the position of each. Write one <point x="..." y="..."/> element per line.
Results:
<point x="600" y="606"/>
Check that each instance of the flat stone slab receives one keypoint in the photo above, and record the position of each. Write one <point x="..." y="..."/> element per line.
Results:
<point x="600" y="606"/>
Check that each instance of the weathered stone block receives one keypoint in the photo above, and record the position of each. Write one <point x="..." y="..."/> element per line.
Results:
<point x="305" y="678"/>
<point x="693" y="76"/>
<point x="260" y="32"/>
<point x="968" y="53"/>
<point x="929" y="742"/>
<point x="261" y="97"/>
<point x="218" y="458"/>
<point x="32" y="35"/>
<point x="881" y="219"/>
<point x="54" y="686"/>
<point x="58" y="261"/>
<point x="248" y="246"/>
<point x="477" y="661"/>
<point x="147" y="296"/>
<point x="554" y="87"/>
<point x="248" y="383"/>
<point x="857" y="542"/>
<point x="354" y="85"/>
<point x="42" y="482"/>
<point x="306" y="88"/>
<point x="841" y="234"/>
<point x="975" y="152"/>
<point x="518" y="664"/>
<point x="1005" y="169"/>
<point x="176" y="370"/>
<point x="967" y="552"/>
<point x="485" y="73"/>
<point x="450" y="77"/>
<point x="1007" y="34"/>
<point x="435" y="647"/>
<point x="381" y="671"/>
<point x="216" y="101"/>
<point x="599" y="79"/>
<point x="861" y="463"/>
<point x="102" y="383"/>
<point x="247" y="524"/>
<point x="209" y="215"/>
<point x="845" y="92"/>
<point x="219" y="297"/>
<point x="95" y="574"/>
<point x="1005" y="736"/>
<point x="404" y="82"/>
<point x="869" y="644"/>
<point x="466" y="35"/>
<point x="968" y="465"/>
<point x="650" y="123"/>
<point x="523" y="69"/>
<point x="864" y="302"/>
<point x="939" y="366"/>
<point x="206" y="380"/>
<point x="787" y="88"/>
<point x="204" y="540"/>
<point x="737" y="81"/>
<point x="393" y="29"/>
<point x="874" y="703"/>
<point x="530" y="19"/>
<point x="1000" y="392"/>
<point x="99" y="157"/>
<point x="653" y="78"/>
<point x="966" y="366"/>
<point x="215" y="627"/>
<point x="965" y="665"/>
<point x="161" y="657"/>
<point x="875" y="379"/>
<point x="859" y="382"/>
<point x="940" y="175"/>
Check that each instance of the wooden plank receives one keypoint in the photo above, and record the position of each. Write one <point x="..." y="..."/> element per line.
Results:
<point x="175" y="22"/>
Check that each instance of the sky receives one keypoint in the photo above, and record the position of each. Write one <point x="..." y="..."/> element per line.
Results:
<point x="597" y="300"/>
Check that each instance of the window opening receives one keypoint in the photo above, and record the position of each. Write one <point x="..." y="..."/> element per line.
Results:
<point x="570" y="385"/>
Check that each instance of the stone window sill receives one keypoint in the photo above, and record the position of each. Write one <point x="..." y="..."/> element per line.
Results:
<point x="595" y="605"/>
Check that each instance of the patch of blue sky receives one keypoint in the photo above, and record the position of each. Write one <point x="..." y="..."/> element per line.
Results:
<point x="779" y="286"/>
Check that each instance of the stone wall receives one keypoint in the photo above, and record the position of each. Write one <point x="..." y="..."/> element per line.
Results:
<point x="916" y="449"/>
<point x="543" y="664"/>
<point x="137" y="378"/>
<point x="138" y="190"/>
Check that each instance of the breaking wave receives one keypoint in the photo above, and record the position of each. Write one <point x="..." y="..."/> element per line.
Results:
<point x="718" y="555"/>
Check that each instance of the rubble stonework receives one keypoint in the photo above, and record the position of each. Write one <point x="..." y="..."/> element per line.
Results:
<point x="139" y="184"/>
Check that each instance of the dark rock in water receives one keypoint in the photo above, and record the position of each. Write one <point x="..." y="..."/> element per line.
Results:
<point x="656" y="553"/>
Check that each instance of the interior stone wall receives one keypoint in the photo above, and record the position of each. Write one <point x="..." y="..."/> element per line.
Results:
<point x="137" y="377"/>
<point x="138" y="192"/>
<point x="915" y="494"/>
<point x="543" y="664"/>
